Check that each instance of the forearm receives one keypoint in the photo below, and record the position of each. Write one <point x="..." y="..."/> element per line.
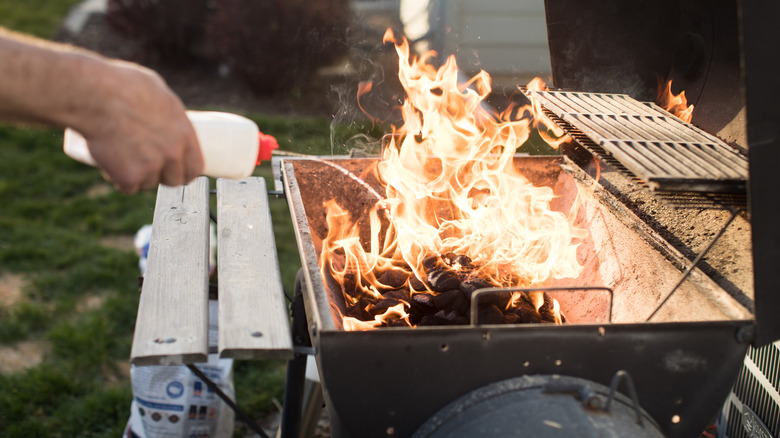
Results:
<point x="136" y="127"/>
<point x="49" y="83"/>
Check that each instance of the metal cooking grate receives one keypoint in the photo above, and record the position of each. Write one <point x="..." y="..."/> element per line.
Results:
<point x="657" y="148"/>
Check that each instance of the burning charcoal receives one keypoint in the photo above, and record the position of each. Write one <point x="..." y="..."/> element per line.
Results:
<point x="464" y="261"/>
<point x="395" y="322"/>
<point x="427" y="320"/>
<point x="443" y="280"/>
<point x="430" y="263"/>
<point x="349" y="285"/>
<point x="547" y="310"/>
<point x="461" y="304"/>
<point x="511" y="318"/>
<point x="397" y="295"/>
<point x="526" y="312"/>
<point x="424" y="301"/>
<point x="451" y="317"/>
<point x="490" y="315"/>
<point x="416" y="284"/>
<point x="382" y="306"/>
<point x="472" y="284"/>
<point x="547" y="314"/>
<point x="526" y="298"/>
<point x="393" y="278"/>
<point x="449" y="258"/>
<point x="452" y="300"/>
<point x="422" y="304"/>
<point x="499" y="299"/>
<point x="358" y="310"/>
<point x="444" y="300"/>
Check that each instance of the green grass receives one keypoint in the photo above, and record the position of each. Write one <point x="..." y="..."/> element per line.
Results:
<point x="37" y="17"/>
<point x="50" y="231"/>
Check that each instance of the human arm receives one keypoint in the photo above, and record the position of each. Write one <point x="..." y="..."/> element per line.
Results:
<point x="136" y="127"/>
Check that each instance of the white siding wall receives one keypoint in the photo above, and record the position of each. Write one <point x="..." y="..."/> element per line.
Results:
<point x="506" y="38"/>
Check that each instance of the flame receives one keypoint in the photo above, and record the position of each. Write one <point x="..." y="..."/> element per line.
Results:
<point x="397" y="311"/>
<point x="677" y="104"/>
<point x="364" y="87"/>
<point x="451" y="187"/>
<point x="548" y="130"/>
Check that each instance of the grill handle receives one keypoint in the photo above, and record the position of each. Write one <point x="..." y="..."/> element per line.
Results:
<point x="493" y="290"/>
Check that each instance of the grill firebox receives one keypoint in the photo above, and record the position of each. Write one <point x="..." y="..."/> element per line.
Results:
<point x="677" y="361"/>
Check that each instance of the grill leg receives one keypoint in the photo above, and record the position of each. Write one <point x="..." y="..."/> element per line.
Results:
<point x="296" y="368"/>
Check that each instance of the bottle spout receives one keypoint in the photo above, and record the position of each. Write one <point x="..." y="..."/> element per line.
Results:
<point x="267" y="145"/>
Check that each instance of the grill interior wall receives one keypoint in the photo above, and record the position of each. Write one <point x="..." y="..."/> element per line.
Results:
<point x="621" y="252"/>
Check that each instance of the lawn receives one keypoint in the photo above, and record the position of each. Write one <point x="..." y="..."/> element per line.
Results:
<point x="36" y="17"/>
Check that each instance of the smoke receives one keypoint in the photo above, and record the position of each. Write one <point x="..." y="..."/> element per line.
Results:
<point x="367" y="102"/>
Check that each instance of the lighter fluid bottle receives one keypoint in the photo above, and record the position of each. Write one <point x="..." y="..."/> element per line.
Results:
<point x="231" y="144"/>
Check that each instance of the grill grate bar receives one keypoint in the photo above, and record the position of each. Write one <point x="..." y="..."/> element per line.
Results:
<point x="681" y="199"/>
<point x="664" y="152"/>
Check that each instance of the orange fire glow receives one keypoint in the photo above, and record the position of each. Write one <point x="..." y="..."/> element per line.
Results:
<point x="548" y="130"/>
<point x="676" y="104"/>
<point x="451" y="187"/>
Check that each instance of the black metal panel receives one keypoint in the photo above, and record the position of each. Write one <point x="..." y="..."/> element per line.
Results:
<point x="392" y="380"/>
<point x="761" y="34"/>
<point x="612" y="46"/>
<point x="627" y="46"/>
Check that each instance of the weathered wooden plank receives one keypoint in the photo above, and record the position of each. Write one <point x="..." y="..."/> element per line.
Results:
<point x="253" y="319"/>
<point x="172" y="322"/>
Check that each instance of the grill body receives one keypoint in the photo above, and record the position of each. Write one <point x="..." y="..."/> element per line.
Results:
<point x="682" y="367"/>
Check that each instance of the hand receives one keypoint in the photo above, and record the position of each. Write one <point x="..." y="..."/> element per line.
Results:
<point x="143" y="136"/>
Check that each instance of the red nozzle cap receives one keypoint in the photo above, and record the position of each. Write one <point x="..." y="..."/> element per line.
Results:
<point x="267" y="145"/>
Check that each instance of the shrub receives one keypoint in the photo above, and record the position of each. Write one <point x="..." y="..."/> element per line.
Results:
<point x="277" y="45"/>
<point x="173" y="30"/>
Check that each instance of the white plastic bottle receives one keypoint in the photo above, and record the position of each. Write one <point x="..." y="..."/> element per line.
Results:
<point x="231" y="144"/>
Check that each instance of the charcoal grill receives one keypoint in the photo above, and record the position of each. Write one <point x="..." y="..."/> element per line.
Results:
<point x="681" y="323"/>
<point x="679" y="365"/>
<point x="676" y="322"/>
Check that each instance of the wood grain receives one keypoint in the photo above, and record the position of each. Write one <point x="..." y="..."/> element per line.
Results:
<point x="172" y="322"/>
<point x="253" y="317"/>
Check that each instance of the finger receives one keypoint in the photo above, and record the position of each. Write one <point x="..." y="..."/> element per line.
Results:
<point x="125" y="188"/>
<point x="193" y="162"/>
<point x="172" y="174"/>
<point x="150" y="183"/>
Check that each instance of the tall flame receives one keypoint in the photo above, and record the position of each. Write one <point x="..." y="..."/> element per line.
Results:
<point x="451" y="186"/>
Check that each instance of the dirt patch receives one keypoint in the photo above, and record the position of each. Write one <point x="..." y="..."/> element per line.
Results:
<point x="21" y="356"/>
<point x="99" y="190"/>
<point x="120" y="242"/>
<point x="11" y="289"/>
<point x="90" y="302"/>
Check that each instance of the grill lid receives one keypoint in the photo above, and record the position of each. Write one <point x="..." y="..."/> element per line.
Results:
<point x="664" y="152"/>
